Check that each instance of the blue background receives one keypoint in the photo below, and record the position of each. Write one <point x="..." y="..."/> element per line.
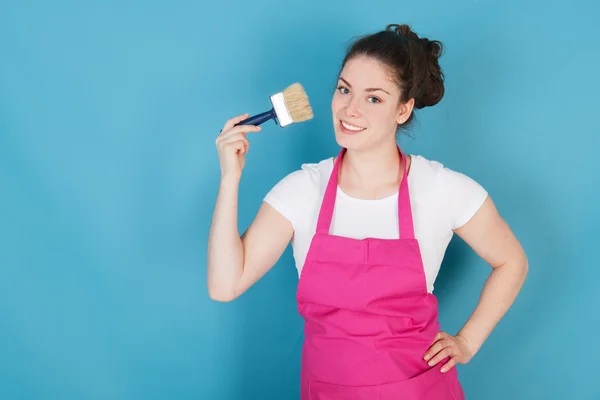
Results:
<point x="108" y="172"/>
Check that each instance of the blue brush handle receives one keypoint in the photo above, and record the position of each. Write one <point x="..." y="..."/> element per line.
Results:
<point x="259" y="118"/>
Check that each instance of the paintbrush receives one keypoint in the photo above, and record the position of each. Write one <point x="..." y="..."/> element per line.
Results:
<point x="288" y="107"/>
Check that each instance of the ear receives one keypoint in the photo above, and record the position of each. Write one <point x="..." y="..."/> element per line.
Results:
<point x="404" y="111"/>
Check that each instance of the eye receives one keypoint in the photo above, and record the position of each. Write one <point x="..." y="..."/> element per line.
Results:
<point x="343" y="90"/>
<point x="375" y="99"/>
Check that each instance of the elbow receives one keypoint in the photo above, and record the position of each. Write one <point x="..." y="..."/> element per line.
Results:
<point x="221" y="298"/>
<point x="525" y="268"/>
<point x="524" y="264"/>
<point x="522" y="268"/>
<point x="220" y="295"/>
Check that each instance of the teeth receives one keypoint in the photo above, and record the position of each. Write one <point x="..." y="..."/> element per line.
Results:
<point x="352" y="127"/>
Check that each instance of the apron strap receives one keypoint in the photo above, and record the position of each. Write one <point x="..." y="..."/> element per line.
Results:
<point x="328" y="204"/>
<point x="405" y="221"/>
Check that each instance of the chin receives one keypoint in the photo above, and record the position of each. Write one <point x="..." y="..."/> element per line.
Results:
<point x="349" y="142"/>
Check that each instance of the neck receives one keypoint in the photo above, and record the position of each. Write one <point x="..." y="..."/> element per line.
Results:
<point x="372" y="173"/>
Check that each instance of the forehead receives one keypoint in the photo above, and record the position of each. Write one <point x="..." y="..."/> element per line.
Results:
<point x="367" y="72"/>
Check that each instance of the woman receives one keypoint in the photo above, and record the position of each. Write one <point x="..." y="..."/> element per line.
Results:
<point x="369" y="229"/>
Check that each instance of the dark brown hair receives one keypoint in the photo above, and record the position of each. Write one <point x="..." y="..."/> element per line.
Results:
<point x="413" y="63"/>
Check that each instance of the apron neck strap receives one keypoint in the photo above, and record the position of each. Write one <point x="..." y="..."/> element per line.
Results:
<point x="405" y="220"/>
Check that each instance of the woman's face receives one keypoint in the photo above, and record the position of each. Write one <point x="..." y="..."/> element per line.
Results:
<point x="365" y="107"/>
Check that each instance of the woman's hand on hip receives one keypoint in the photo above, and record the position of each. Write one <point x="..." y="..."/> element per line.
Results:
<point x="445" y="345"/>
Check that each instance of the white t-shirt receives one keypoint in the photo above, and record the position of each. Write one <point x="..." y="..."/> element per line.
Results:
<point x="441" y="200"/>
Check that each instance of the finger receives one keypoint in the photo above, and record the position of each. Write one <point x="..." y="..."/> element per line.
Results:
<point x="246" y="147"/>
<point x="448" y="351"/>
<point x="231" y="122"/>
<point x="221" y="140"/>
<point x="235" y="147"/>
<point x="242" y="129"/>
<point x="436" y="348"/>
<point x="239" y="137"/>
<point x="440" y="335"/>
<point x="446" y="367"/>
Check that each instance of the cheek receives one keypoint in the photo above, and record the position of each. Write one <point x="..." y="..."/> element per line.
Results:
<point x="336" y="103"/>
<point x="381" y="116"/>
<point x="375" y="112"/>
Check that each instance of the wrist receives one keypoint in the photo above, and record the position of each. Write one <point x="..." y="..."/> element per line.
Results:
<point x="230" y="180"/>
<point x="472" y="343"/>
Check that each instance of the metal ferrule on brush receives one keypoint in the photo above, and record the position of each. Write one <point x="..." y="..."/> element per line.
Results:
<point x="281" y="112"/>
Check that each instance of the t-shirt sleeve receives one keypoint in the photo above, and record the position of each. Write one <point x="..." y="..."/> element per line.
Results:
<point x="290" y="194"/>
<point x="462" y="196"/>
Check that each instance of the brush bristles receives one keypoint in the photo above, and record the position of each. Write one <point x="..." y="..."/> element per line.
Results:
<point x="297" y="103"/>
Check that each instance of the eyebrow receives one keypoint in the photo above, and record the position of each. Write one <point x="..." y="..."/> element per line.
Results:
<point x="367" y="89"/>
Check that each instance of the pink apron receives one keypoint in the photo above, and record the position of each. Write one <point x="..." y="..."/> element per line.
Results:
<point x="368" y="316"/>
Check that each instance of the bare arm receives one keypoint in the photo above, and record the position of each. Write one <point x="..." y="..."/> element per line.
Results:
<point x="235" y="263"/>
<point x="492" y="239"/>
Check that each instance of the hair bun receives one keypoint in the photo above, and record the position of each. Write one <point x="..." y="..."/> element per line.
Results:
<point x="403" y="30"/>
<point x="428" y="78"/>
<point x="433" y="47"/>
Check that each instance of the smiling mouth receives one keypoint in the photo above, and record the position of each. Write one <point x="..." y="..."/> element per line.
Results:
<point x="351" y="128"/>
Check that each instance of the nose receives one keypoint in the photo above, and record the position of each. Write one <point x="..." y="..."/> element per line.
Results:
<point x="352" y="108"/>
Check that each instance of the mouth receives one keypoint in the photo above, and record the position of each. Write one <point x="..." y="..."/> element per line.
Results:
<point x="349" y="128"/>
